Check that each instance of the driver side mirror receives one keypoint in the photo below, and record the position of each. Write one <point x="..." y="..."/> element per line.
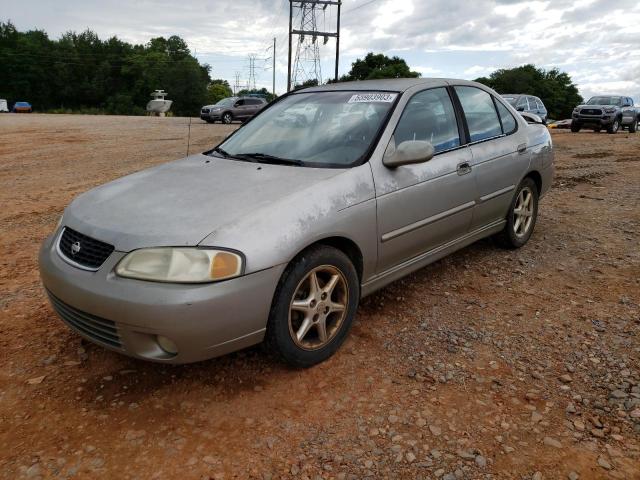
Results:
<point x="407" y="153"/>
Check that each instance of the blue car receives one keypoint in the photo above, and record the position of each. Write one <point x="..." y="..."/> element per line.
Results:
<point x="22" y="107"/>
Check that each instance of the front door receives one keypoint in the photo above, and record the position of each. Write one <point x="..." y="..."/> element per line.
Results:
<point x="423" y="206"/>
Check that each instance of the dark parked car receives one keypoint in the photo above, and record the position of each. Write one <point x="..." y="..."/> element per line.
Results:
<point x="527" y="103"/>
<point x="22" y="107"/>
<point x="611" y="112"/>
<point x="233" y="108"/>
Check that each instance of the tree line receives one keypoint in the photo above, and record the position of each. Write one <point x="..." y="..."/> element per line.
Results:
<point x="79" y="72"/>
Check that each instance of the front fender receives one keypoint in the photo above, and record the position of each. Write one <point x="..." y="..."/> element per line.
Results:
<point x="341" y="206"/>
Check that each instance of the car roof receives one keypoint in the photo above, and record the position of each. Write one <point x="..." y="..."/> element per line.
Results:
<point x="388" y="84"/>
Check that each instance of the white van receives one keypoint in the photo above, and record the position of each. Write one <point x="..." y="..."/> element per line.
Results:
<point x="3" y="105"/>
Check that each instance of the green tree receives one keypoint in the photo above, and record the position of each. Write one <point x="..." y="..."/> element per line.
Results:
<point x="312" y="82"/>
<point x="375" y="66"/>
<point x="263" y="92"/>
<point x="555" y="88"/>
<point x="79" y="71"/>
<point x="217" y="90"/>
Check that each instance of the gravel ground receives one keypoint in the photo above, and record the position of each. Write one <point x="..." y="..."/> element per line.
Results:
<point x="488" y="364"/>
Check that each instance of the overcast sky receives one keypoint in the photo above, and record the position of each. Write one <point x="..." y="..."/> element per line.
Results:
<point x="596" y="41"/>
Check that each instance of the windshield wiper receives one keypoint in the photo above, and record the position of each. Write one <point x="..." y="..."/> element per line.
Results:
<point x="222" y="152"/>
<point x="266" y="158"/>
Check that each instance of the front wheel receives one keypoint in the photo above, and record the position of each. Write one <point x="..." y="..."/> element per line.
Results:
<point x="522" y="216"/>
<point x="614" y="127"/>
<point x="314" y="306"/>
<point x="575" y="127"/>
<point x="227" y="118"/>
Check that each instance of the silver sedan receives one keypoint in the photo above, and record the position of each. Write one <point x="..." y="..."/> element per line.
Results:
<point x="327" y="195"/>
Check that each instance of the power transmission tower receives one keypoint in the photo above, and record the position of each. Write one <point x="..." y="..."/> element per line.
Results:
<point x="236" y="85"/>
<point x="251" y="84"/>
<point x="307" y="60"/>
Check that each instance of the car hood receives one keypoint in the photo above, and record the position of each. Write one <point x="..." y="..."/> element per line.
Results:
<point x="181" y="202"/>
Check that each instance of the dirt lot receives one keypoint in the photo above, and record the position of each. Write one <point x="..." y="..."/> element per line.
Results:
<point x="488" y="364"/>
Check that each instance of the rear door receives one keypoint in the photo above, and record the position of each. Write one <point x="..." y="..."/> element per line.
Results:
<point x="423" y="206"/>
<point x="499" y="150"/>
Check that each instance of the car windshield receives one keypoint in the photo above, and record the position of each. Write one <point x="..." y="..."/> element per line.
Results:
<point x="226" y="101"/>
<point x="318" y="129"/>
<point x="511" y="100"/>
<point x="605" y="101"/>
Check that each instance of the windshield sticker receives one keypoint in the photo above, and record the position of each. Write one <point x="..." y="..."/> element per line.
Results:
<point x="373" y="97"/>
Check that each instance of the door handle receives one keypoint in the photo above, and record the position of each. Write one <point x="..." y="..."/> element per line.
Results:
<point x="464" y="168"/>
<point x="522" y="148"/>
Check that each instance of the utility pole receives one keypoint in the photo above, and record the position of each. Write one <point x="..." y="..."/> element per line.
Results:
<point x="306" y="65"/>
<point x="274" y="67"/>
<point x="236" y="85"/>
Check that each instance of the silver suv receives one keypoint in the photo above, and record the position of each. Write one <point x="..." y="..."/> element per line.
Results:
<point x="232" y="108"/>
<point x="527" y="104"/>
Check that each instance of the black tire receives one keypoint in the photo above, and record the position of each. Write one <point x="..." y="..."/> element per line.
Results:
<point x="575" y="127"/>
<point x="633" y="128"/>
<point x="509" y="238"/>
<point x="614" y="127"/>
<point x="227" y="118"/>
<point x="280" y="327"/>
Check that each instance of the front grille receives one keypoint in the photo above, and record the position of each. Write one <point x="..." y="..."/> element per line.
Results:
<point x="98" y="329"/>
<point x="84" y="250"/>
<point x="205" y="110"/>
<point x="591" y="111"/>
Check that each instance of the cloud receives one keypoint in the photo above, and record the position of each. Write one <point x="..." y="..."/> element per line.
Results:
<point x="595" y="41"/>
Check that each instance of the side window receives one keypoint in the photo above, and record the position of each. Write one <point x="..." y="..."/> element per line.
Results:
<point x="533" y="104"/>
<point x="480" y="113"/>
<point x="522" y="102"/>
<point x="509" y="123"/>
<point x="240" y="103"/>
<point x="429" y="116"/>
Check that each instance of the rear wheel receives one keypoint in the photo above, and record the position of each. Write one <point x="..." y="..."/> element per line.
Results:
<point x="522" y="216"/>
<point x="575" y="127"/>
<point x="314" y="306"/>
<point x="633" y="128"/>
<point x="614" y="127"/>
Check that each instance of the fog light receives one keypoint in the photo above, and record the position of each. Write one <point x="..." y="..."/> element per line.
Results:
<point x="167" y="345"/>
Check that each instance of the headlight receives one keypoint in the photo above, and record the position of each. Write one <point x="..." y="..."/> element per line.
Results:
<point x="609" y="110"/>
<point x="180" y="265"/>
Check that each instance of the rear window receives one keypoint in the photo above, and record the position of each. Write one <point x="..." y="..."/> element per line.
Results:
<point x="480" y="113"/>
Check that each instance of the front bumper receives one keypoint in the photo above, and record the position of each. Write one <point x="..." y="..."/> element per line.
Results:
<point x="203" y="320"/>
<point x="210" y="116"/>
<point x="587" y="120"/>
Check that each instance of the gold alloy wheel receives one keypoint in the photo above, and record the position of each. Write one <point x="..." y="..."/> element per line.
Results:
<point x="318" y="308"/>
<point x="523" y="212"/>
